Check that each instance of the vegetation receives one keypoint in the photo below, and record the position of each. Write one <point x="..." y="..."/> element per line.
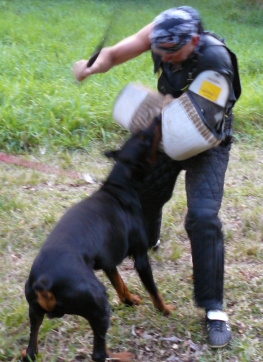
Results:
<point x="30" y="204"/>
<point x="41" y="105"/>
<point x="47" y="117"/>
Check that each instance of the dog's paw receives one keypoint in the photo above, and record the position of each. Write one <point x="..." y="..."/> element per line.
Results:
<point x="131" y="300"/>
<point x="25" y="357"/>
<point x="135" y="299"/>
<point x="121" y="357"/>
<point x="168" y="309"/>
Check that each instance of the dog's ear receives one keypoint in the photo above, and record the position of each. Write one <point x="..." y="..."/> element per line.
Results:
<point x="112" y="154"/>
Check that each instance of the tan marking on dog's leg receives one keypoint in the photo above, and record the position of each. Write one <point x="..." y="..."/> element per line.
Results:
<point x="159" y="304"/>
<point x="46" y="300"/>
<point x="121" y="289"/>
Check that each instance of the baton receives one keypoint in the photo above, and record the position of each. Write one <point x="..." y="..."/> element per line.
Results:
<point x="101" y="44"/>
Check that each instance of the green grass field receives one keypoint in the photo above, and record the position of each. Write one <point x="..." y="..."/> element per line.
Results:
<point x="47" y="117"/>
<point x="41" y="105"/>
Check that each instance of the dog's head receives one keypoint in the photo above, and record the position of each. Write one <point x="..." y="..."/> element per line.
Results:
<point x="141" y="148"/>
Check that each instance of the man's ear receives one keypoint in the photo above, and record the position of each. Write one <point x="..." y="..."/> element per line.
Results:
<point x="112" y="154"/>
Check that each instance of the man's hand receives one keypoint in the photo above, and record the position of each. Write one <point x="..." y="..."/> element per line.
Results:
<point x="81" y="70"/>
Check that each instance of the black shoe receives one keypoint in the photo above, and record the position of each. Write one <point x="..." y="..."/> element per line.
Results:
<point x="219" y="331"/>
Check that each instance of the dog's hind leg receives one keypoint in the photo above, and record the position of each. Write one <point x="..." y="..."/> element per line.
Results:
<point x="92" y="304"/>
<point x="143" y="268"/>
<point x="99" y="325"/>
<point x="36" y="319"/>
<point x="99" y="322"/>
<point x="117" y="282"/>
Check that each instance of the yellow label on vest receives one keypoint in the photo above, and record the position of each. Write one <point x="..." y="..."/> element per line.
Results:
<point x="209" y="91"/>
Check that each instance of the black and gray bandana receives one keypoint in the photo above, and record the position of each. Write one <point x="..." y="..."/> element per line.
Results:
<point x="174" y="26"/>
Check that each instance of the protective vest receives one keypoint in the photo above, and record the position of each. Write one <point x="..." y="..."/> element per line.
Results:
<point x="211" y="54"/>
<point x="197" y="111"/>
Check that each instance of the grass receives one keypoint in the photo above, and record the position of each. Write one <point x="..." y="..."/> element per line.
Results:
<point x="37" y="202"/>
<point x="42" y="105"/>
<point x="47" y="117"/>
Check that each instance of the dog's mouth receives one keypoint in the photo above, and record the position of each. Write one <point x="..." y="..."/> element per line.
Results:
<point x="141" y="150"/>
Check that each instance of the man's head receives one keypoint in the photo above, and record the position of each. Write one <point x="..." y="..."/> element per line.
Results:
<point x="175" y="33"/>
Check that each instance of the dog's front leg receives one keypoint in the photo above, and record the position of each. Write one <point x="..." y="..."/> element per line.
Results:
<point x="117" y="282"/>
<point x="143" y="267"/>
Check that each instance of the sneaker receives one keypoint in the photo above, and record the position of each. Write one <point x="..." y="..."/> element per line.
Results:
<point x="219" y="331"/>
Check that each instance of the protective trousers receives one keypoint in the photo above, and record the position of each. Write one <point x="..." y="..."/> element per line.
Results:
<point x="204" y="180"/>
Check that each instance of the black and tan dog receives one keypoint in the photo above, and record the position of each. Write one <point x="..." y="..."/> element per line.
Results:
<point x="97" y="233"/>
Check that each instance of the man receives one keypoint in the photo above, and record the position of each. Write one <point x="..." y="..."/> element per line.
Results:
<point x="182" y="50"/>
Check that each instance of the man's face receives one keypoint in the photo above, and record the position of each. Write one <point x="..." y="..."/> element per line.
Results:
<point x="180" y="55"/>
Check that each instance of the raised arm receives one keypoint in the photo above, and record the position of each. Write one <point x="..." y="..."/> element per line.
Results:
<point x="119" y="53"/>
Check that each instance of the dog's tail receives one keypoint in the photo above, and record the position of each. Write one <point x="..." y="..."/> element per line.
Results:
<point x="45" y="297"/>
